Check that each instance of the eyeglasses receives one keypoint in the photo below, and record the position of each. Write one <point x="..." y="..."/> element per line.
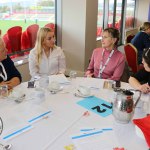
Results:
<point x="105" y="37"/>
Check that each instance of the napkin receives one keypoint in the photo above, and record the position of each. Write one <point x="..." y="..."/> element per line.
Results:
<point x="144" y="125"/>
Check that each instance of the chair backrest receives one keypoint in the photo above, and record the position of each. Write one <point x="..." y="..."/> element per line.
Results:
<point x="131" y="56"/>
<point x="51" y="26"/>
<point x="14" y="36"/>
<point x="7" y="43"/>
<point x="129" y="38"/>
<point x="126" y="73"/>
<point x="32" y="34"/>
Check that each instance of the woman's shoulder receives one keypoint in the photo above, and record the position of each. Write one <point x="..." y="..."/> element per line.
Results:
<point x="119" y="54"/>
<point x="57" y="49"/>
<point x="97" y="50"/>
<point x="32" y="51"/>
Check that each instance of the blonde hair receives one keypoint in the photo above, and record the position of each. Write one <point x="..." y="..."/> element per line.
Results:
<point x="145" y="26"/>
<point x="41" y="35"/>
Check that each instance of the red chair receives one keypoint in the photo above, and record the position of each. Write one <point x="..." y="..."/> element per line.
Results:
<point x="132" y="56"/>
<point x="129" y="38"/>
<point x="99" y="31"/>
<point x="29" y="37"/>
<point x="12" y="39"/>
<point x="51" y="26"/>
<point x="14" y="35"/>
<point x="7" y="43"/>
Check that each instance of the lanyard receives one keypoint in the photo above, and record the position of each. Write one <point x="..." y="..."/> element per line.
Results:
<point x="4" y="77"/>
<point x="102" y="67"/>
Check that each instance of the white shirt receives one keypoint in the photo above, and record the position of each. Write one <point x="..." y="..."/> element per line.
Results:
<point x="54" y="64"/>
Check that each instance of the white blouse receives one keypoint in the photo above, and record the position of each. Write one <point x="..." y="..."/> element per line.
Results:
<point x="54" y="64"/>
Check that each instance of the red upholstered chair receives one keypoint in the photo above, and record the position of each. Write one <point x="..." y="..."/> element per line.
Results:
<point x="7" y="43"/>
<point x="12" y="39"/>
<point x="29" y="37"/>
<point x="14" y="36"/>
<point x="51" y="26"/>
<point x="129" y="38"/>
<point x="132" y="56"/>
<point x="99" y="31"/>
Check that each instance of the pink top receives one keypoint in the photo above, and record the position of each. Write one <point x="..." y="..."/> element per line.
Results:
<point x="114" y="68"/>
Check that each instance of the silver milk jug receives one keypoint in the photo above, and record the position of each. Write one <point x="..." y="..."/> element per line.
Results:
<point x="123" y="106"/>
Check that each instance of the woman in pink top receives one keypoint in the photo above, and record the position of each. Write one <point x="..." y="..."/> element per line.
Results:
<point x="107" y="62"/>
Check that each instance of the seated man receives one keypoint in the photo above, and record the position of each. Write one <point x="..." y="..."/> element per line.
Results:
<point x="9" y="75"/>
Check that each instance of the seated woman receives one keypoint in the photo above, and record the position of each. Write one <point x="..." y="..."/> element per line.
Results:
<point x="107" y="62"/>
<point x="141" y="80"/>
<point x="46" y="58"/>
<point x="9" y="75"/>
<point x="142" y="40"/>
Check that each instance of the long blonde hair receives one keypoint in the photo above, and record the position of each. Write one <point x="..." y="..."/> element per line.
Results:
<point x="41" y="35"/>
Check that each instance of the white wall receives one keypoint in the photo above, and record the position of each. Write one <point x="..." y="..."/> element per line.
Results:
<point x="142" y="11"/>
<point x="78" y="32"/>
<point x="24" y="70"/>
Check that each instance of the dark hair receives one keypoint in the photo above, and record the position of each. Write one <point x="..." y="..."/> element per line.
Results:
<point x="114" y="33"/>
<point x="146" y="56"/>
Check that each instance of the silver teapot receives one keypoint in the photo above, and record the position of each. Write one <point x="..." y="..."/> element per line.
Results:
<point x="123" y="106"/>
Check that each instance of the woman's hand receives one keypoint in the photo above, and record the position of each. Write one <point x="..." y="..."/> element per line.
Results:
<point x="8" y="83"/>
<point x="89" y="74"/>
<point x="145" y="88"/>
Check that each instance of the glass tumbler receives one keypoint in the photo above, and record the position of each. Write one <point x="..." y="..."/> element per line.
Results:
<point x="72" y="74"/>
<point x="3" y="91"/>
<point x="44" y="81"/>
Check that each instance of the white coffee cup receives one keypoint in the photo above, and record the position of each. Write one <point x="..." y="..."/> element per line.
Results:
<point x="84" y="90"/>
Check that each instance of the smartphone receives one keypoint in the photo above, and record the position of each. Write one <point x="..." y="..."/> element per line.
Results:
<point x="31" y="84"/>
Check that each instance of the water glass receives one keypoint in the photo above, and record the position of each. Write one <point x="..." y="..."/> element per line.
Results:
<point x="3" y="91"/>
<point x="72" y="74"/>
<point x="44" y="81"/>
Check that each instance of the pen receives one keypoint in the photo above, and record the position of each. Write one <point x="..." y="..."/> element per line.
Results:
<point x="17" y="132"/>
<point x="85" y="135"/>
<point x="87" y="129"/>
<point x="107" y="129"/>
<point x="38" y="117"/>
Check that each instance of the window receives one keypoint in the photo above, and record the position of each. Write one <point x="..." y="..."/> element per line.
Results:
<point x="100" y="17"/>
<point x="111" y="14"/>
<point x="129" y="23"/>
<point x="25" y="13"/>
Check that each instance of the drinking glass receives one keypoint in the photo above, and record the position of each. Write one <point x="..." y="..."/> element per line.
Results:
<point x="44" y="81"/>
<point x="3" y="91"/>
<point x="72" y="74"/>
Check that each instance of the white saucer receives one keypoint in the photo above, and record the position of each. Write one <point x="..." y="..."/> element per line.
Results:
<point x="55" y="90"/>
<point x="78" y="94"/>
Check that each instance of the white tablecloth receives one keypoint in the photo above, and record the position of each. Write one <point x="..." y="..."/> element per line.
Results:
<point x="66" y="120"/>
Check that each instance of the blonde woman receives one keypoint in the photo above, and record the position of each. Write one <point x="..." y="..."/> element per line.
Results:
<point x="142" y="40"/>
<point x="46" y="58"/>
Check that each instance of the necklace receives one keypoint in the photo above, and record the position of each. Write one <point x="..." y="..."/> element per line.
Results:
<point x="102" y="67"/>
<point x="4" y="77"/>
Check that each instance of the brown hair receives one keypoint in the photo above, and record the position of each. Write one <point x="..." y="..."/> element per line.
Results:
<point x="114" y="33"/>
